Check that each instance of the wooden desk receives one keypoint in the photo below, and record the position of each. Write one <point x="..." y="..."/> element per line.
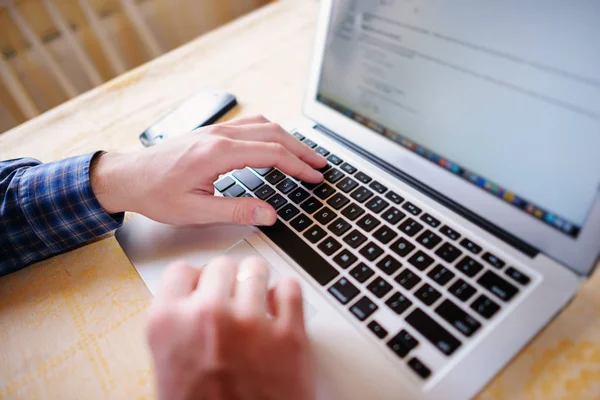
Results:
<point x="72" y="327"/>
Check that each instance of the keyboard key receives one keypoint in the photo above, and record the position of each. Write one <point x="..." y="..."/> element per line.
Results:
<point x="352" y="212"/>
<point x="429" y="220"/>
<point x="363" y="308"/>
<point x="371" y="251"/>
<point x="355" y="239"/>
<point x="498" y="286"/>
<point x="361" y="194"/>
<point x="377" y="205"/>
<point x="301" y="223"/>
<point x="300" y="252"/>
<point x="248" y="195"/>
<point x="411" y="208"/>
<point x="389" y="265"/>
<point x="377" y="329"/>
<point x="311" y="205"/>
<point x="329" y="246"/>
<point x="462" y="290"/>
<point x="287" y="185"/>
<point x="322" y="151"/>
<point x="333" y="175"/>
<point x="264" y="192"/>
<point x="298" y="136"/>
<point x="394" y="197"/>
<point x="368" y="223"/>
<point x="234" y="191"/>
<point x="361" y="273"/>
<point x="402" y="247"/>
<point x="493" y="260"/>
<point x="410" y="227"/>
<point x="325" y="215"/>
<point x="275" y="177"/>
<point x="315" y="234"/>
<point x="427" y="294"/>
<point x="335" y="160"/>
<point x="309" y="186"/>
<point x="324" y="191"/>
<point x="517" y="276"/>
<point x="348" y="168"/>
<point x="398" y="303"/>
<point x="288" y="212"/>
<point x="448" y="252"/>
<point x="310" y="143"/>
<point x="324" y="169"/>
<point x="347" y="184"/>
<point x="339" y="227"/>
<point x="420" y="260"/>
<point x="224" y="184"/>
<point x="248" y="179"/>
<point x="384" y="234"/>
<point x="362" y="177"/>
<point x="469" y="267"/>
<point x="458" y="318"/>
<point x="429" y="239"/>
<point x="299" y="195"/>
<point x="420" y="369"/>
<point x="485" y="306"/>
<point x="451" y="233"/>
<point x="441" y="275"/>
<point x="392" y="216"/>
<point x="379" y="287"/>
<point x="337" y="201"/>
<point x="434" y="332"/>
<point x="345" y="259"/>
<point x="344" y="291"/>
<point x="471" y="246"/>
<point x="277" y="201"/>
<point x="263" y="171"/>
<point x="407" y="279"/>
<point x="378" y="187"/>
<point x="402" y="343"/>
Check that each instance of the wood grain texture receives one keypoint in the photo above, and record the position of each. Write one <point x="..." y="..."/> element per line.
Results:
<point x="72" y="327"/>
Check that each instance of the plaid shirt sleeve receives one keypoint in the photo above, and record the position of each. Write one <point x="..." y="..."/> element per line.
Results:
<point x="46" y="209"/>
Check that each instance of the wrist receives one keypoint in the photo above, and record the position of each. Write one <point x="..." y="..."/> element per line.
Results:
<point x="108" y="177"/>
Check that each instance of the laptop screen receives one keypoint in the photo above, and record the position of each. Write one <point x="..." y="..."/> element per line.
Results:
<point x="505" y="94"/>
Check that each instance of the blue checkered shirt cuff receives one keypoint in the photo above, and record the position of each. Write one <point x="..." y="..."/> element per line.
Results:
<point x="46" y="209"/>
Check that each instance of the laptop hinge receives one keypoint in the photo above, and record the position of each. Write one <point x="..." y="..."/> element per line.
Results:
<point x="493" y="229"/>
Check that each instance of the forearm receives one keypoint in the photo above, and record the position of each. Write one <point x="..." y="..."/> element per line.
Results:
<point x="48" y="208"/>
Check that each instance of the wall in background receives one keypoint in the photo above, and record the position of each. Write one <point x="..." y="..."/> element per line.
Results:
<point x="165" y="24"/>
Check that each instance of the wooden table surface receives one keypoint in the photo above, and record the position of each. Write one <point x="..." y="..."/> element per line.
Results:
<point x="72" y="327"/>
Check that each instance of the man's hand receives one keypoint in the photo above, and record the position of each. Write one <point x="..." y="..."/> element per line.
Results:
<point x="173" y="182"/>
<point x="211" y="337"/>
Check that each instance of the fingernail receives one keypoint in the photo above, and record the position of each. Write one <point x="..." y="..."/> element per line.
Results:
<point x="263" y="216"/>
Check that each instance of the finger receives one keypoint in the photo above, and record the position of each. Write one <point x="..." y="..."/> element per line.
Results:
<point x="251" y="288"/>
<point x="218" y="281"/>
<point x="240" y="211"/>
<point x="179" y="280"/>
<point x="238" y="154"/>
<point x="274" y="133"/>
<point x="253" y="119"/>
<point x="288" y="304"/>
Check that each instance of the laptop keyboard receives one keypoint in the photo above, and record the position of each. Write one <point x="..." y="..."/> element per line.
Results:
<point x="367" y="245"/>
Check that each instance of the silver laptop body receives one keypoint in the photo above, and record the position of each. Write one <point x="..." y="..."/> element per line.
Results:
<point x="462" y="205"/>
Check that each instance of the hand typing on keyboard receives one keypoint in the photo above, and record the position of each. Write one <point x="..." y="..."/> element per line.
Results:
<point x="211" y="337"/>
<point x="173" y="182"/>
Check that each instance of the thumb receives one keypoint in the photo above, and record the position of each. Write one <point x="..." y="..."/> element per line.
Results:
<point x="242" y="210"/>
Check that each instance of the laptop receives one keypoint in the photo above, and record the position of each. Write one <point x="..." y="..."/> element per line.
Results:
<point x="460" y="210"/>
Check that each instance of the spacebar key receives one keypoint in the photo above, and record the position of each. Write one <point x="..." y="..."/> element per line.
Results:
<point x="300" y="252"/>
<point x="434" y="332"/>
